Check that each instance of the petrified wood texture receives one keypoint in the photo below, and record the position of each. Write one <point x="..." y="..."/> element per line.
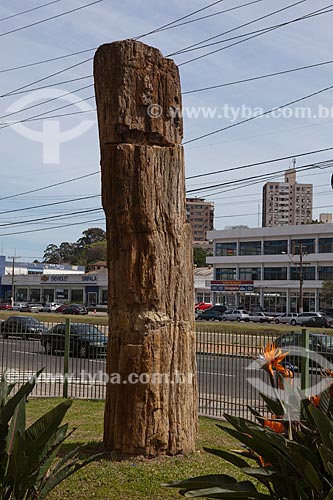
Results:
<point x="149" y="259"/>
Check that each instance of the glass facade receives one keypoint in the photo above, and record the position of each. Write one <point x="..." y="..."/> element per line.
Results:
<point x="48" y="295"/>
<point x="325" y="245"/>
<point x="275" y="247"/>
<point x="77" y="296"/>
<point x="309" y="273"/>
<point x="250" y="248"/>
<point x="325" y="273"/>
<point x="308" y="246"/>
<point x="275" y="273"/>
<point x="34" y="295"/>
<point x="226" y="249"/>
<point x="21" y="294"/>
<point x="250" y="273"/>
<point x="225" y="274"/>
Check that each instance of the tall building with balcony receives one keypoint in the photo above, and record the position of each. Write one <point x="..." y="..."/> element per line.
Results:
<point x="200" y="214"/>
<point x="287" y="203"/>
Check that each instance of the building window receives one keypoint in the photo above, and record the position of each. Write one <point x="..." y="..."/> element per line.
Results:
<point x="325" y="245"/>
<point x="21" y="294"/>
<point x="104" y="297"/>
<point x="225" y="249"/>
<point x="275" y="247"/>
<point x="309" y="273"/>
<point x="61" y="294"/>
<point x="325" y="273"/>
<point x="48" y="295"/>
<point x="250" y="248"/>
<point x="308" y="246"/>
<point x="249" y="273"/>
<point x="77" y="296"/>
<point x="275" y="273"/>
<point x="225" y="274"/>
<point x="35" y="295"/>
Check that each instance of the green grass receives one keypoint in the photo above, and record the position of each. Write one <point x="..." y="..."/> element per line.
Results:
<point x="135" y="478"/>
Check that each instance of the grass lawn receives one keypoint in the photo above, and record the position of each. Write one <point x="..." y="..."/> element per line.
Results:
<point x="136" y="478"/>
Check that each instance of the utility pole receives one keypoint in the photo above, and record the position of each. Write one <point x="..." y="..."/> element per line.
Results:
<point x="300" y="309"/>
<point x="13" y="257"/>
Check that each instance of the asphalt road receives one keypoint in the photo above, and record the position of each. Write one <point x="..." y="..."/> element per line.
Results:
<point x="227" y="383"/>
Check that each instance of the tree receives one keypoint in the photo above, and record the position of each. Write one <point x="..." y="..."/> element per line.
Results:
<point x="326" y="293"/>
<point x="90" y="236"/>
<point x="199" y="257"/>
<point x="95" y="252"/>
<point x="52" y="254"/>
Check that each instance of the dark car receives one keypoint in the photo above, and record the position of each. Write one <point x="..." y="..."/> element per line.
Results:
<point x="328" y="312"/>
<point x="22" y="326"/>
<point x="319" y="321"/>
<point x="60" y="308"/>
<point x="209" y="315"/>
<point x="319" y="343"/>
<point x="85" y="340"/>
<point x="74" y="309"/>
<point x="218" y="307"/>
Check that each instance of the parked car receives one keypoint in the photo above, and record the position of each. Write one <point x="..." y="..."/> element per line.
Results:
<point x="260" y="317"/>
<point x="285" y="318"/>
<point x="209" y="315"/>
<point x="4" y="306"/>
<point x="84" y="341"/>
<point x="328" y="311"/>
<point x="74" y="309"/>
<point x="51" y="307"/>
<point x="202" y="306"/>
<point x="60" y="308"/>
<point x="23" y="326"/>
<point x="219" y="308"/>
<point x="17" y="306"/>
<point x="236" y="315"/>
<point x="318" y="343"/>
<point x="303" y="318"/>
<point x="319" y="321"/>
<point x="31" y="307"/>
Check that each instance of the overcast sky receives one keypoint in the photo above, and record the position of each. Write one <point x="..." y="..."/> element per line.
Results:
<point x="26" y="165"/>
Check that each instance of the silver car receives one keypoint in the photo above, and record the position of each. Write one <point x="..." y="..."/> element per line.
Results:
<point x="236" y="315"/>
<point x="260" y="317"/>
<point x="285" y="318"/>
<point x="304" y="317"/>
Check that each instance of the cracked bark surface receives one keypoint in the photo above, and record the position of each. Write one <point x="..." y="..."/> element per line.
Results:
<point x="149" y="253"/>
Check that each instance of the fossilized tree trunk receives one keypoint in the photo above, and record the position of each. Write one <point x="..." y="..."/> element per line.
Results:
<point x="149" y="253"/>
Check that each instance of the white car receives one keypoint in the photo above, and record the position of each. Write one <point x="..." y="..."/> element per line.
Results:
<point x="260" y="317"/>
<point x="285" y="318"/>
<point x="304" y="317"/>
<point x="51" y="307"/>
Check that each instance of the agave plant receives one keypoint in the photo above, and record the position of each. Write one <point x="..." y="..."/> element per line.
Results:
<point x="292" y="459"/>
<point x="29" y="467"/>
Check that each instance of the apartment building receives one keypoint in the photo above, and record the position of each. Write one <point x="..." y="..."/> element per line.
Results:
<point x="287" y="203"/>
<point x="262" y="266"/>
<point x="200" y="214"/>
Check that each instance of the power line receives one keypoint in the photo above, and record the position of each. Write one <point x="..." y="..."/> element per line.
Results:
<point x="213" y="15"/>
<point x="53" y="227"/>
<point x="29" y="10"/>
<point x="48" y="86"/>
<point x="50" y="18"/>
<point x="260" y="77"/>
<point x="57" y="216"/>
<point x="259" y="115"/>
<point x="191" y="47"/>
<point x="263" y="31"/>
<point x="257" y="164"/>
<point x="50" y="186"/>
<point x="50" y="204"/>
<point x="47" y="101"/>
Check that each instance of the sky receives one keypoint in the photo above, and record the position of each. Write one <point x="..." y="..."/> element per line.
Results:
<point x="38" y="153"/>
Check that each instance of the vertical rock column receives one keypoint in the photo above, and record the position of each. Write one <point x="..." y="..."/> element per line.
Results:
<point x="151" y="399"/>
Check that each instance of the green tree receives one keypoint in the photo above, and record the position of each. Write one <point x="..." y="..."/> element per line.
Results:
<point x="326" y="293"/>
<point x="95" y="252"/>
<point x="199" y="257"/>
<point x="90" y="236"/>
<point x="52" y="254"/>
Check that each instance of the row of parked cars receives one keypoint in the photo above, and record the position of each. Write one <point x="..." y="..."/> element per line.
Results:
<point x="309" y="319"/>
<point x="85" y="340"/>
<point x="51" y="307"/>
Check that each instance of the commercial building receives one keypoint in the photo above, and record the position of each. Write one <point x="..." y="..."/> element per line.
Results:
<point x="325" y="218"/>
<point x="287" y="203"/>
<point x="262" y="266"/>
<point x="200" y="214"/>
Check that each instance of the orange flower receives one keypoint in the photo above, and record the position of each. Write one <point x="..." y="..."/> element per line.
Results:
<point x="315" y="400"/>
<point x="275" y="426"/>
<point x="271" y="359"/>
<point x="263" y="463"/>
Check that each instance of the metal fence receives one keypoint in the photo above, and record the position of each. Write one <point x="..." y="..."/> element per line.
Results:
<point x="229" y="377"/>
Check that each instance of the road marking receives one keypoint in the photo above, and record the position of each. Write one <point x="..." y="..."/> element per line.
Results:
<point x="217" y="373"/>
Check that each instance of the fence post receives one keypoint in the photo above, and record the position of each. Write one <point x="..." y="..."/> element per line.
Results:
<point x="66" y="357"/>
<point x="305" y="365"/>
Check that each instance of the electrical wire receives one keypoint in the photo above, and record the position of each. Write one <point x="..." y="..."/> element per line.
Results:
<point x="258" y="33"/>
<point x="50" y="18"/>
<point x="189" y="48"/>
<point x="50" y="204"/>
<point x="53" y="227"/>
<point x="233" y="125"/>
<point x="29" y="10"/>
